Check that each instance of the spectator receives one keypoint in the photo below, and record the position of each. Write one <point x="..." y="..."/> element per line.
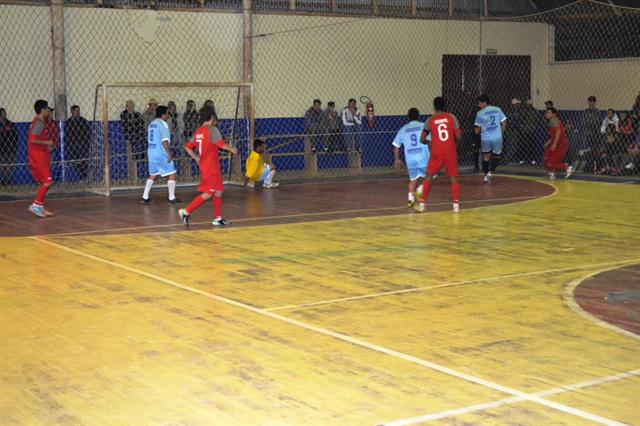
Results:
<point x="626" y="127"/>
<point x="613" y="155"/>
<point x="209" y="104"/>
<point x="150" y="114"/>
<point x="176" y="142"/>
<point x="527" y="148"/>
<point x="610" y="119"/>
<point x="635" y="110"/>
<point x="351" y="121"/>
<point x="189" y="120"/>
<point x="591" y="120"/>
<point x="78" y="142"/>
<point x="8" y="148"/>
<point x="313" y="124"/>
<point x="331" y="125"/>
<point x="515" y="130"/>
<point x="134" y="130"/>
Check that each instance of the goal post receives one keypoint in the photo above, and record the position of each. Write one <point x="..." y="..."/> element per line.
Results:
<point x="123" y="110"/>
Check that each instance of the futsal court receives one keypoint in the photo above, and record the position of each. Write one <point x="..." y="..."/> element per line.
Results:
<point x="326" y="304"/>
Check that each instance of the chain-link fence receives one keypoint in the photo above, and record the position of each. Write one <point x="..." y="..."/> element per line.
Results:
<point x="388" y="56"/>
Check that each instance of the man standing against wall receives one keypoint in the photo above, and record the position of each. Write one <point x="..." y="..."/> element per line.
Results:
<point x="8" y="148"/>
<point x="351" y="121"/>
<point x="77" y="133"/>
<point x="591" y="120"/>
<point x="490" y="124"/>
<point x="313" y="123"/>
<point x="150" y="114"/>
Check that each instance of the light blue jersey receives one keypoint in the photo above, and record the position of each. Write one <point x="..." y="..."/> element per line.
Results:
<point x="489" y="119"/>
<point x="416" y="155"/>
<point x="157" y="132"/>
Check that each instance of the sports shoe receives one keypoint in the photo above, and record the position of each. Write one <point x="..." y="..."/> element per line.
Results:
<point x="47" y="213"/>
<point x="175" y="201"/>
<point x="184" y="217"/>
<point x="411" y="204"/>
<point x="145" y="200"/>
<point x="420" y="207"/>
<point x="218" y="221"/>
<point x="487" y="178"/>
<point x="569" y="172"/>
<point x="37" y="210"/>
<point x="271" y="185"/>
<point x="456" y="207"/>
<point x="551" y="176"/>
<point x="250" y="184"/>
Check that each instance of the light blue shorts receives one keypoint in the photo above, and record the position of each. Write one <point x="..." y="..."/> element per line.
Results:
<point x="494" y="146"/>
<point x="161" y="168"/>
<point x="265" y="174"/>
<point x="417" y="172"/>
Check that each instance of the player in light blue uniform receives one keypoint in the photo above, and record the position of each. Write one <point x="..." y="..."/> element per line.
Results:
<point x="159" y="155"/>
<point x="490" y="123"/>
<point x="415" y="154"/>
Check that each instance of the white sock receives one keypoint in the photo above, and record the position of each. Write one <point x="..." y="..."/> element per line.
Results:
<point x="172" y="189"/>
<point x="147" y="188"/>
<point x="269" y="178"/>
<point x="411" y="197"/>
<point x="419" y="189"/>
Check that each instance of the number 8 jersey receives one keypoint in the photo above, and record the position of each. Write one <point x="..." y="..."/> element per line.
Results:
<point x="443" y="127"/>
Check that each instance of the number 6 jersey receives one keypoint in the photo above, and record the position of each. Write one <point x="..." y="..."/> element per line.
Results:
<point x="443" y="127"/>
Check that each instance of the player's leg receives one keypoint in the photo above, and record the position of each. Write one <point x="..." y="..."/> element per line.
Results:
<point x="41" y="173"/>
<point x="267" y="177"/>
<point x="154" y="172"/>
<point x="486" y="147"/>
<point x="197" y="201"/>
<point x="451" y="168"/>
<point x="171" y="186"/>
<point x="414" y="175"/>
<point x="432" y="168"/>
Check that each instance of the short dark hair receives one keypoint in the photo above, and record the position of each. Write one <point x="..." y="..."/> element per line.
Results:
<point x="413" y="114"/>
<point x="73" y="107"/>
<point x="161" y="110"/>
<point x="317" y="101"/>
<point x="612" y="110"/>
<point x="331" y="104"/>
<point x="440" y="104"/>
<point x="592" y="98"/>
<point x="553" y="110"/>
<point x="483" y="98"/>
<point x="40" y="105"/>
<point x="549" y="102"/>
<point x="258" y="143"/>
<point x="351" y="100"/>
<point x="206" y="113"/>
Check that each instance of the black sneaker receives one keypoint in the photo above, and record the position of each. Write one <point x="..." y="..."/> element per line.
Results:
<point x="175" y="201"/>
<point x="220" y="222"/>
<point x="184" y="217"/>
<point x="145" y="200"/>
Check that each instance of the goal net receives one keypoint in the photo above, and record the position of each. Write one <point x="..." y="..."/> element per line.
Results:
<point x="122" y="112"/>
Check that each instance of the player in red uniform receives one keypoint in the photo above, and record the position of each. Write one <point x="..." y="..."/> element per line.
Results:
<point x="557" y="145"/>
<point x="207" y="139"/>
<point x="39" y="145"/>
<point x="445" y="137"/>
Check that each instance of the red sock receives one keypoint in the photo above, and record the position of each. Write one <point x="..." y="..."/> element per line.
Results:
<point x="455" y="191"/>
<point x="217" y="206"/>
<point x="195" y="203"/>
<point x="42" y="191"/>
<point x="426" y="187"/>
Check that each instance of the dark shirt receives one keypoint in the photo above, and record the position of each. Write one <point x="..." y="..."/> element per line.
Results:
<point x="8" y="141"/>
<point x="132" y="126"/>
<point x="77" y="133"/>
<point x="190" y="119"/>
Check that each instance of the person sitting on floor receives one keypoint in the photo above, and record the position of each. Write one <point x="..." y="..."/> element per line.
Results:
<point x="257" y="169"/>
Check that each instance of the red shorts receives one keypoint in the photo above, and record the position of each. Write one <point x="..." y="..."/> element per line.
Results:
<point x="450" y="165"/>
<point x="210" y="184"/>
<point x="40" y="171"/>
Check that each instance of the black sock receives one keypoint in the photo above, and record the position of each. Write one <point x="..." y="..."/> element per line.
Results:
<point x="494" y="164"/>
<point x="485" y="167"/>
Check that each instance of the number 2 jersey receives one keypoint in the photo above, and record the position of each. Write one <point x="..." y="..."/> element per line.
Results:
<point x="443" y="128"/>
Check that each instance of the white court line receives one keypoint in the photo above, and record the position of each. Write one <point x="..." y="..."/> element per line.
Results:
<point x="512" y="400"/>
<point x="453" y="284"/>
<point x="569" y="299"/>
<point x="345" y="338"/>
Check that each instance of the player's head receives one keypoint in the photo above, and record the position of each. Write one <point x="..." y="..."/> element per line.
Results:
<point x="208" y="115"/>
<point x="440" y="104"/>
<point x="548" y="104"/>
<point x="483" y="100"/>
<point x="3" y="113"/>
<point x="259" y="146"/>
<point x="550" y="112"/>
<point x="162" y="112"/>
<point x="413" y="114"/>
<point x="41" y="107"/>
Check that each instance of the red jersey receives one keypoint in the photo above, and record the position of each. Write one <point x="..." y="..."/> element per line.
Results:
<point x="555" y="127"/>
<point x="38" y="153"/>
<point x="206" y="140"/>
<point x="443" y="128"/>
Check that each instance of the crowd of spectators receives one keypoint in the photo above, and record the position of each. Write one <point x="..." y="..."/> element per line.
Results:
<point x="330" y="130"/>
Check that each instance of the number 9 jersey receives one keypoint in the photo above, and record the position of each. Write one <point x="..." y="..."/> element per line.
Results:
<point x="444" y="128"/>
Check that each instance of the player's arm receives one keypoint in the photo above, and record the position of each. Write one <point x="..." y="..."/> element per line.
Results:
<point x="226" y="147"/>
<point x="423" y="136"/>
<point x="503" y="124"/>
<point x="37" y="130"/>
<point x="397" y="162"/>
<point x="188" y="147"/>
<point x="165" y="145"/>
<point x="556" y="139"/>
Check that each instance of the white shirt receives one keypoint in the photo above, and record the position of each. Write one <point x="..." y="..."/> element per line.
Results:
<point x="349" y="119"/>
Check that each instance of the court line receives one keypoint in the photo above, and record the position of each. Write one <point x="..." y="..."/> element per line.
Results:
<point x="345" y="338"/>
<point x="453" y="284"/>
<point x="512" y="400"/>
<point x="569" y="299"/>
<point x="252" y="219"/>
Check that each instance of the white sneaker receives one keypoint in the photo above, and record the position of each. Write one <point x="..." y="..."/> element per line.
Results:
<point x="420" y="208"/>
<point x="250" y="184"/>
<point x="551" y="176"/>
<point x="630" y="166"/>
<point x="456" y="207"/>
<point x="569" y="172"/>
<point x="271" y="185"/>
<point x="487" y="178"/>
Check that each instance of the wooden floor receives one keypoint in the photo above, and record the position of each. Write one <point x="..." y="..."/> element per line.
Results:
<point x="324" y="304"/>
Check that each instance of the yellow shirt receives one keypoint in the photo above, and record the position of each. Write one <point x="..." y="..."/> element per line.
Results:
<point x="254" y="166"/>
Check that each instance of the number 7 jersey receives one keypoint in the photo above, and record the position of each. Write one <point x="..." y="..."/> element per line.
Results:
<point x="443" y="128"/>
